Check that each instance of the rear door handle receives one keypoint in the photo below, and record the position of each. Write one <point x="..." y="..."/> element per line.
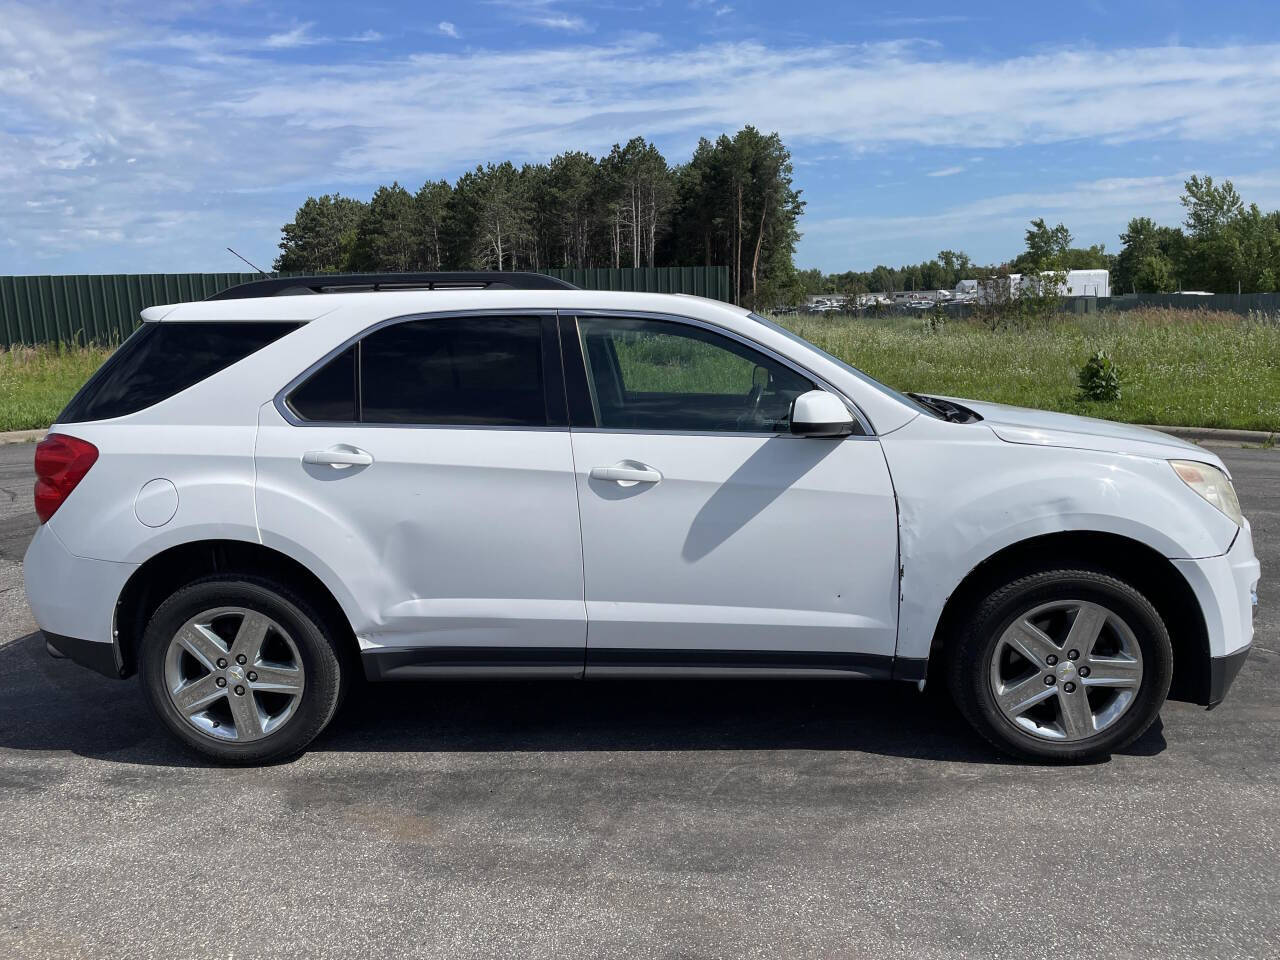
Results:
<point x="627" y="472"/>
<point x="343" y="456"/>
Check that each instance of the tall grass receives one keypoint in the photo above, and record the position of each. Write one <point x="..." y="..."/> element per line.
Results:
<point x="1178" y="367"/>
<point x="37" y="382"/>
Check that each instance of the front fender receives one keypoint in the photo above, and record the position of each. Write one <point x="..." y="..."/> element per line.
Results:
<point x="964" y="495"/>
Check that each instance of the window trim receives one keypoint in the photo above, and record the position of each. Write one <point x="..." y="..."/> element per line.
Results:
<point x="576" y="381"/>
<point x="552" y="375"/>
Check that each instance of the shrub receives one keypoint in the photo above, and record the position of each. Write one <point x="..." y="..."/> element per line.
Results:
<point x="1100" y="378"/>
<point x="936" y="319"/>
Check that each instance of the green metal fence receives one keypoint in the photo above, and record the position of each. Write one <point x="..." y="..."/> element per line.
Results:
<point x="104" y="308"/>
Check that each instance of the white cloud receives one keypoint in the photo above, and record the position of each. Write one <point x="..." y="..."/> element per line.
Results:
<point x="207" y="118"/>
<point x="561" y="21"/>
<point x="369" y="36"/>
<point x="990" y="228"/>
<point x="945" y="172"/>
<point x="448" y="29"/>
<point x="543" y="13"/>
<point x="299" y="36"/>
<point x="867" y="97"/>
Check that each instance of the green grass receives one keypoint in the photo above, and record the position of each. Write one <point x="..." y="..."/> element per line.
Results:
<point x="1178" y="367"/>
<point x="37" y="382"/>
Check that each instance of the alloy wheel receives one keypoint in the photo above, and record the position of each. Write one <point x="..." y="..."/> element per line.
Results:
<point x="234" y="674"/>
<point x="1066" y="670"/>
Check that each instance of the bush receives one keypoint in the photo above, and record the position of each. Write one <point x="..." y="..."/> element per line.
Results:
<point x="1100" y="378"/>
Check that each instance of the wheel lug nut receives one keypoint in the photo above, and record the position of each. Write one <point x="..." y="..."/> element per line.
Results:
<point x="1051" y="679"/>
<point x="252" y="676"/>
<point x="222" y="664"/>
<point x="1051" y="660"/>
<point x="1069" y="687"/>
<point x="1084" y="671"/>
<point x="240" y="659"/>
<point x="1073" y="655"/>
<point x="221" y="681"/>
<point x="239" y="690"/>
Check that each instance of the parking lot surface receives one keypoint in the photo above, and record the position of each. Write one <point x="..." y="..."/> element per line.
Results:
<point x="632" y="819"/>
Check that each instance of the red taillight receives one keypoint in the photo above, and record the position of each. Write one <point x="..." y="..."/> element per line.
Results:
<point x="61" y="463"/>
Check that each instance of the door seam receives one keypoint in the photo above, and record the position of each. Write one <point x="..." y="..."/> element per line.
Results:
<point x="577" y="495"/>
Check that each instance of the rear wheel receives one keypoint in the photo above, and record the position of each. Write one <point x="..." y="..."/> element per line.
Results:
<point x="240" y="669"/>
<point x="1063" y="665"/>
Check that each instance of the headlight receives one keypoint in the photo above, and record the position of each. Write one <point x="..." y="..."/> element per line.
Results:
<point x="1212" y="484"/>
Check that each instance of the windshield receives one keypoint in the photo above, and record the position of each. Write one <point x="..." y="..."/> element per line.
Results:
<point x="869" y="381"/>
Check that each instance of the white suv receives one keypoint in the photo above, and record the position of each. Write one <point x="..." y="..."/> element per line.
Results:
<point x="259" y="496"/>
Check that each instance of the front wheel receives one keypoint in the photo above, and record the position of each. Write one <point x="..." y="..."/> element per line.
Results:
<point x="240" y="669"/>
<point x="1062" y="665"/>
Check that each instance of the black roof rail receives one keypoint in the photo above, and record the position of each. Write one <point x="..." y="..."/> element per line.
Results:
<point x="362" y="282"/>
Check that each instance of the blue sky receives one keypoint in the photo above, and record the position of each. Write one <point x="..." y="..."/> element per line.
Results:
<point x="142" y="136"/>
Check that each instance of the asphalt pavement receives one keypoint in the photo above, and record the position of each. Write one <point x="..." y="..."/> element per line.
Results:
<point x="636" y="819"/>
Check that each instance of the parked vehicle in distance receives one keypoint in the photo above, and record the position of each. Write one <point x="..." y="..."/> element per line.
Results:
<point x="260" y="495"/>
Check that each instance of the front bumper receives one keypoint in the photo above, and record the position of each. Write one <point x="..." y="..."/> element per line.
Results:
<point x="1226" y="588"/>
<point x="1222" y="673"/>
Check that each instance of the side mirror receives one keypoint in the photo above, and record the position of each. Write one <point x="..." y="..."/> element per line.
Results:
<point x="820" y="414"/>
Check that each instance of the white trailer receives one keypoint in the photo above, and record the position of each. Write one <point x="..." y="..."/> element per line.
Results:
<point x="1087" y="283"/>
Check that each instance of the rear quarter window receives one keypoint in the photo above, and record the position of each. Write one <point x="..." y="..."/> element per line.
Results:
<point x="162" y="359"/>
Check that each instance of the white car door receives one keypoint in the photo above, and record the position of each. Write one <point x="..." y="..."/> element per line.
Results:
<point x="714" y="540"/>
<point x="425" y="473"/>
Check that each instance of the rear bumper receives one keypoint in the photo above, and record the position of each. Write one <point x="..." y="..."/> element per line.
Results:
<point x="73" y="600"/>
<point x="103" y="658"/>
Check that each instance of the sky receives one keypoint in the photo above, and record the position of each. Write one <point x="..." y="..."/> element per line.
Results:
<point x="143" y="136"/>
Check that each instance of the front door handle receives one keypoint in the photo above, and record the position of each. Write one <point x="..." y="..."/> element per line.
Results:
<point x="342" y="456"/>
<point x="627" y="472"/>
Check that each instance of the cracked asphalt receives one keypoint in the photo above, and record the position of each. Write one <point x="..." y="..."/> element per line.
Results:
<point x="632" y="819"/>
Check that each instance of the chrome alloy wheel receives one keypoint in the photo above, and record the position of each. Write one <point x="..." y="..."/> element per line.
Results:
<point x="234" y="674"/>
<point x="1066" y="670"/>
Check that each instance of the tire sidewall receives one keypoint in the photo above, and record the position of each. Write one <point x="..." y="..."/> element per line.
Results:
<point x="320" y="664"/>
<point x="1013" y="601"/>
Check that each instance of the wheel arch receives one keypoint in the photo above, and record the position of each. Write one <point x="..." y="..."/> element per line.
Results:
<point x="1127" y="559"/>
<point x="159" y="576"/>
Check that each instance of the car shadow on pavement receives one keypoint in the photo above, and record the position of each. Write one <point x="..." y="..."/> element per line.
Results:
<point x="54" y="705"/>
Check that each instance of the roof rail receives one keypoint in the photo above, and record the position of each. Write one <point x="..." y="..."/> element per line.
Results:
<point x="364" y="282"/>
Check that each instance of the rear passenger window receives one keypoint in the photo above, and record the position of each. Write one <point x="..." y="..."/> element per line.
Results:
<point x="162" y="359"/>
<point x="329" y="394"/>
<point x="478" y="371"/>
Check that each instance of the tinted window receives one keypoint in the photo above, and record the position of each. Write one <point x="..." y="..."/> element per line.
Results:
<point x="162" y="359"/>
<point x="658" y="375"/>
<point x="329" y="394"/>
<point x="461" y="370"/>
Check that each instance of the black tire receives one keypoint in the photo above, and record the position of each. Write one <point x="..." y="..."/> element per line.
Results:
<point x="313" y="638"/>
<point x="969" y="662"/>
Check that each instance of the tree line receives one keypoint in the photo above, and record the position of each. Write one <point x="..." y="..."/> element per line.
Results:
<point x="732" y="203"/>
<point x="1222" y="246"/>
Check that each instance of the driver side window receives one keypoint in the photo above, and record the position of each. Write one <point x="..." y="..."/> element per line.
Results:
<point x="665" y="375"/>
